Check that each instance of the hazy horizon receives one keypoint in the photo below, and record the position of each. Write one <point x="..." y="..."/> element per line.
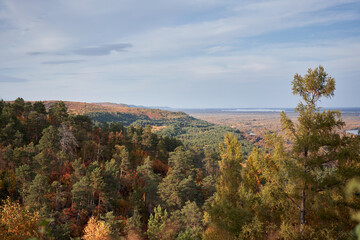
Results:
<point x="189" y="108"/>
<point x="181" y="54"/>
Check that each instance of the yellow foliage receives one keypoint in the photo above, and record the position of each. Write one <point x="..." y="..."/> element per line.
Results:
<point x="96" y="230"/>
<point x="17" y="222"/>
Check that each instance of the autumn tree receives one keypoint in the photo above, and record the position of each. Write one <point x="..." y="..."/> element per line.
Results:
<point x="96" y="230"/>
<point x="17" y="222"/>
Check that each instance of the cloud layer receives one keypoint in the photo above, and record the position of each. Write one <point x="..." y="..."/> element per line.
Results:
<point x="102" y="50"/>
<point x="7" y="79"/>
<point x="201" y="53"/>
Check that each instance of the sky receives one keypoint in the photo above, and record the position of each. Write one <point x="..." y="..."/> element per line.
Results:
<point x="183" y="54"/>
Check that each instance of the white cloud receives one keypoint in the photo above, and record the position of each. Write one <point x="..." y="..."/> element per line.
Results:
<point x="174" y="44"/>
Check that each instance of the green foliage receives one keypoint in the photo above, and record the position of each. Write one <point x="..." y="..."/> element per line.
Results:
<point x="157" y="224"/>
<point x="134" y="224"/>
<point x="295" y="192"/>
<point x="230" y="170"/>
<point x="189" y="221"/>
<point x="191" y="131"/>
<point x="314" y="85"/>
<point x="58" y="113"/>
<point x="113" y="224"/>
<point x="229" y="211"/>
<point x="320" y="160"/>
<point x="179" y="185"/>
<point x="67" y="169"/>
<point x="352" y="194"/>
<point x="37" y="195"/>
<point x="149" y="182"/>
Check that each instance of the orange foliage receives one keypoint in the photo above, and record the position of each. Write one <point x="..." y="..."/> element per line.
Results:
<point x="82" y="108"/>
<point x="17" y="222"/>
<point x="160" y="167"/>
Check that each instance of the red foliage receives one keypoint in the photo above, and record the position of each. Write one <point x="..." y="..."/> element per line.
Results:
<point x="160" y="167"/>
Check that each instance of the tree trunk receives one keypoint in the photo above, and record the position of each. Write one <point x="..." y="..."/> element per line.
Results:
<point x="99" y="202"/>
<point x="303" y="199"/>
<point x="302" y="211"/>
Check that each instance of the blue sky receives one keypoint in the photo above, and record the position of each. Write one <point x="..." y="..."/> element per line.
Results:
<point x="189" y="53"/>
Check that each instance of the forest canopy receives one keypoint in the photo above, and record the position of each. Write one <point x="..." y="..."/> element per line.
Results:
<point x="64" y="176"/>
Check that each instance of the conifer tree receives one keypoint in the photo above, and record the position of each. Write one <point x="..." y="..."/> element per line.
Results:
<point x="229" y="210"/>
<point x="321" y="160"/>
<point x="150" y="182"/>
<point x="98" y="186"/>
<point x="297" y="193"/>
<point x="158" y="223"/>
<point x="111" y="179"/>
<point x="122" y="158"/>
<point x="190" y="221"/>
<point x="24" y="177"/>
<point x="82" y="194"/>
<point x="134" y="225"/>
<point x="179" y="185"/>
<point x="147" y="137"/>
<point x="58" y="113"/>
<point x="38" y="194"/>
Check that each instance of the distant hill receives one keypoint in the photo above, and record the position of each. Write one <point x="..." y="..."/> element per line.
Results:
<point x="192" y="131"/>
<point x="117" y="108"/>
<point x="109" y="104"/>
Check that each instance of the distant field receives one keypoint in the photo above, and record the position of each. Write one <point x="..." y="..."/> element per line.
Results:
<point x="255" y="124"/>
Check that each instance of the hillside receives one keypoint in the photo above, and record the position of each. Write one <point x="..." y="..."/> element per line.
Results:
<point x="192" y="131"/>
<point x="91" y="108"/>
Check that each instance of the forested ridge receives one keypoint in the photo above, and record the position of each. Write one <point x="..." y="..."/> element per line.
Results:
<point x="191" y="131"/>
<point x="65" y="176"/>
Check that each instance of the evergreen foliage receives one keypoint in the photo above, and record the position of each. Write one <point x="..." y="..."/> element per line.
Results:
<point x="294" y="193"/>
<point x="63" y="177"/>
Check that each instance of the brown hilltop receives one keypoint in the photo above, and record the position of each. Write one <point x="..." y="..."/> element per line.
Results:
<point x="86" y="108"/>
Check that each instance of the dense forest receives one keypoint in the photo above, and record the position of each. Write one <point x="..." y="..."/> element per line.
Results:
<point x="193" y="133"/>
<point x="63" y="176"/>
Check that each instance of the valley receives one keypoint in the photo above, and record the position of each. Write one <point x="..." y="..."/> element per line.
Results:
<point x="255" y="124"/>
